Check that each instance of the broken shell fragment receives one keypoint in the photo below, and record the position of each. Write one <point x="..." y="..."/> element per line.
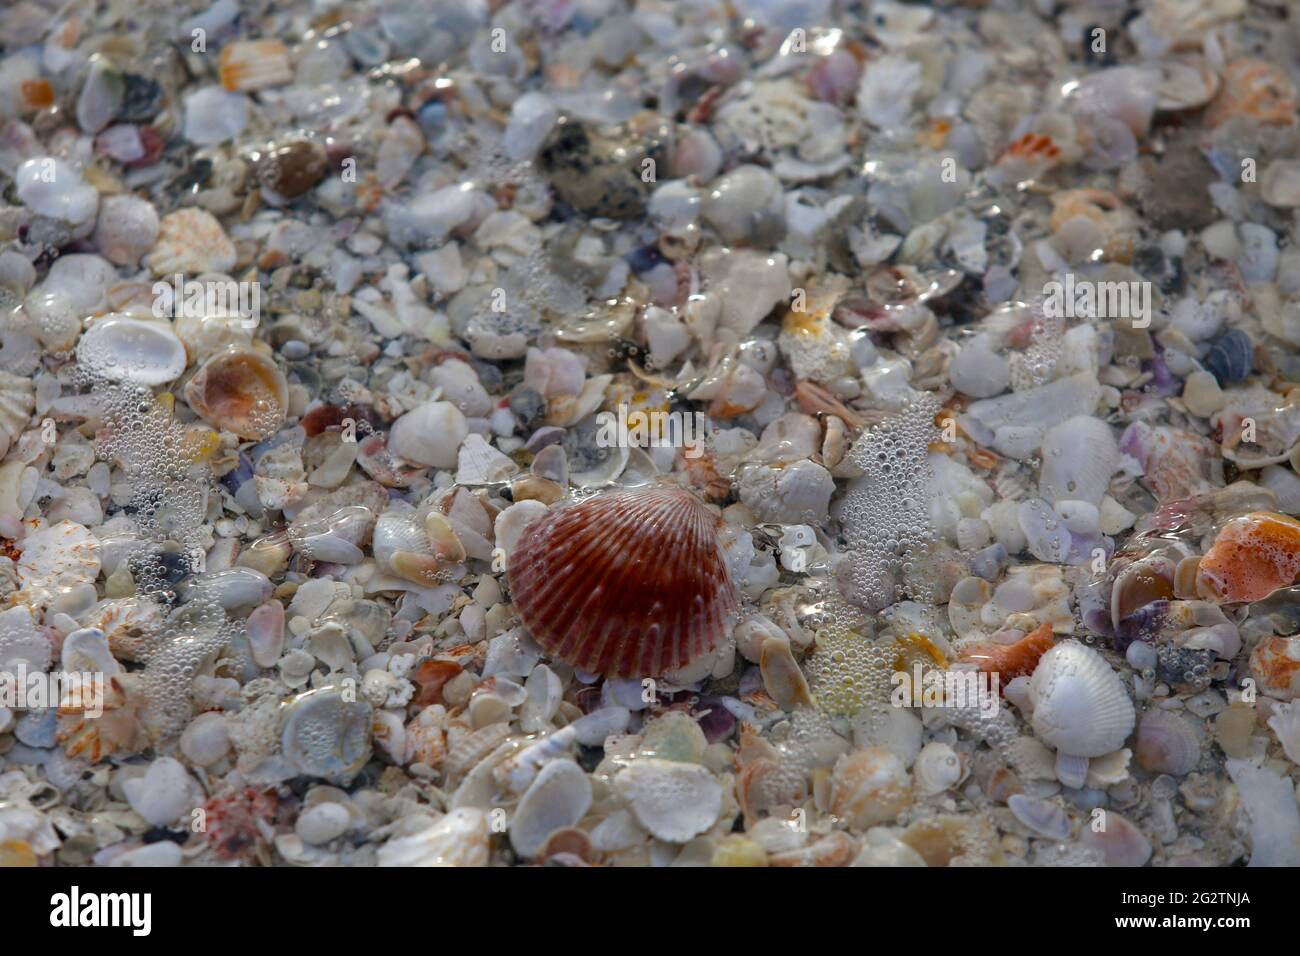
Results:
<point x="1252" y="556"/>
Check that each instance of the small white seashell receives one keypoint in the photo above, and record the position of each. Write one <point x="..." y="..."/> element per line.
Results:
<point x="478" y="463"/>
<point x="512" y="521"/>
<point x="206" y="740"/>
<point x="797" y="493"/>
<point x="101" y="96"/>
<point x="545" y="691"/>
<point x="430" y="434"/>
<point x="937" y="768"/>
<point x="1040" y="407"/>
<point x="1080" y="706"/>
<point x="164" y="794"/>
<point x="86" y="651"/>
<point x="458" y="839"/>
<point x="675" y="801"/>
<point x="1043" y="817"/>
<point x="232" y="588"/>
<point x="532" y="117"/>
<point x="326" y="733"/>
<point x="880" y="847"/>
<point x="131" y="350"/>
<point x="127" y="228"/>
<point x="1080" y="517"/>
<point x="322" y="822"/>
<point x="558" y="797"/>
<point x="1268" y="809"/>
<point x="266" y="633"/>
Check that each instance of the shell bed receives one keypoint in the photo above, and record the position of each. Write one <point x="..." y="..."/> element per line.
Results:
<point x="598" y="433"/>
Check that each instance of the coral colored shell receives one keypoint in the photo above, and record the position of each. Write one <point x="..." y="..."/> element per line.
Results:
<point x="627" y="584"/>
<point x="1010" y="661"/>
<point x="1080" y="706"/>
<point x="1252" y="557"/>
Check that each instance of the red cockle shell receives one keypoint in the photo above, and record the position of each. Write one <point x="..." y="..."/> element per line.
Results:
<point x="625" y="584"/>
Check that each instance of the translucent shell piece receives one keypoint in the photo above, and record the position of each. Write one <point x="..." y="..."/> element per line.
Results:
<point x="626" y="584"/>
<point x="1252" y="557"/>
<point x="240" y="391"/>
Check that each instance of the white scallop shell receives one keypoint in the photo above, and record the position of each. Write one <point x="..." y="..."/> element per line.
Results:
<point x="1080" y="706"/>
<point x="1079" y="457"/>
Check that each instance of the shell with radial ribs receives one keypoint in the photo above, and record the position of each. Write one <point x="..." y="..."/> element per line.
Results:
<point x="17" y="399"/>
<point x="627" y="584"/>
<point x="1080" y="706"/>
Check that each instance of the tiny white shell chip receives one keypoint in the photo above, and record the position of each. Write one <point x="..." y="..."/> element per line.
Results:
<point x="674" y="801"/>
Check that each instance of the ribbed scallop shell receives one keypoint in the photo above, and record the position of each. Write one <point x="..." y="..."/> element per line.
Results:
<point x="1167" y="743"/>
<point x="1080" y="705"/>
<point x="625" y="584"/>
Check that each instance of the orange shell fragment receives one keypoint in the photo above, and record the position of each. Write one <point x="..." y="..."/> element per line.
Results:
<point x="1252" y="557"/>
<point x="1010" y="661"/>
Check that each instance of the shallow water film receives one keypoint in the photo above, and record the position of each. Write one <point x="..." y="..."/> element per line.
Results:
<point x="608" y="433"/>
